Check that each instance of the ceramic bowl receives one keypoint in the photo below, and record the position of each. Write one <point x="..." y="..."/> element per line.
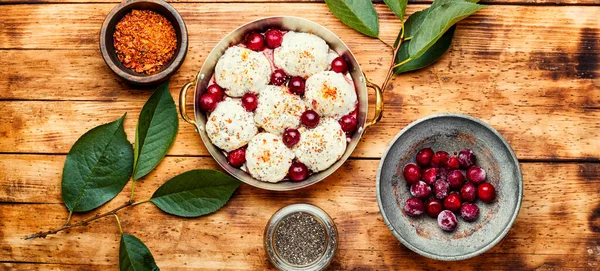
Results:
<point x="451" y="133"/>
<point x="108" y="51"/>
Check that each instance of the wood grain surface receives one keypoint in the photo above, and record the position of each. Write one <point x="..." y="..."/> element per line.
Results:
<point x="530" y="68"/>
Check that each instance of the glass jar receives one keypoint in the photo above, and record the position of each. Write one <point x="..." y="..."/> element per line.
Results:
<point x="320" y="216"/>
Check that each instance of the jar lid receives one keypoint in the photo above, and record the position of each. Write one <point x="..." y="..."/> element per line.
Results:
<point x="291" y="217"/>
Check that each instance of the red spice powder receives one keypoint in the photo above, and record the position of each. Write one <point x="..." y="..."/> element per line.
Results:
<point x="144" y="41"/>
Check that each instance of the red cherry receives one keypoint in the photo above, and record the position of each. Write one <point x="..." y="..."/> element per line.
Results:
<point x="469" y="211"/>
<point x="297" y="85"/>
<point x="278" y="77"/>
<point x="255" y="41"/>
<point x="452" y="202"/>
<point x="298" y="172"/>
<point x="273" y="37"/>
<point x="349" y="124"/>
<point x="424" y="157"/>
<point x="441" y="189"/>
<point x="216" y="90"/>
<point x="433" y="207"/>
<point x="249" y="102"/>
<point x="414" y="207"/>
<point x="466" y="158"/>
<point x="310" y="118"/>
<point x="476" y="174"/>
<point x="447" y="220"/>
<point x="468" y="192"/>
<point x="237" y="158"/>
<point x="486" y="192"/>
<point x="440" y="159"/>
<point x="291" y="137"/>
<point x="420" y="190"/>
<point x="339" y="65"/>
<point x="453" y="163"/>
<point x="455" y="178"/>
<point x="412" y="173"/>
<point x="208" y="102"/>
<point x="429" y="175"/>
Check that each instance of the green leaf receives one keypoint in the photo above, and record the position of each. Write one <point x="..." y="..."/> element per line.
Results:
<point x="97" y="167"/>
<point x="134" y="255"/>
<point x="398" y="7"/>
<point x="434" y="53"/>
<point x="360" y="15"/>
<point x="195" y="193"/>
<point x="437" y="22"/>
<point x="156" y="131"/>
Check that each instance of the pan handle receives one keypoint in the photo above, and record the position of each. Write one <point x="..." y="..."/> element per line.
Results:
<point x="182" y="101"/>
<point x="378" y="103"/>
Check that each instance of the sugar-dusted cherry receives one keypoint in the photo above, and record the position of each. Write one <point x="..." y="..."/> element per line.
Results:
<point x="420" y="190"/>
<point x="476" y="175"/>
<point x="278" y="77"/>
<point x="273" y="38"/>
<point x="452" y="202"/>
<point x="412" y="173"/>
<point x="468" y="192"/>
<point x="486" y="192"/>
<point x="447" y="220"/>
<point x="429" y="175"/>
<point x="424" y="157"/>
<point x="433" y="207"/>
<point x="414" y="207"/>
<point x="455" y="178"/>
<point x="466" y="158"/>
<point x="469" y="211"/>
<point x="441" y="189"/>
<point x="237" y="158"/>
<point x="208" y="102"/>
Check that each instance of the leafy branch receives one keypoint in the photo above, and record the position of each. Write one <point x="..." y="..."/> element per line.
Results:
<point x="101" y="162"/>
<point x="423" y="38"/>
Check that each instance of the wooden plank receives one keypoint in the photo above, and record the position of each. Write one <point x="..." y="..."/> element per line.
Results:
<point x="54" y="126"/>
<point x="557" y="226"/>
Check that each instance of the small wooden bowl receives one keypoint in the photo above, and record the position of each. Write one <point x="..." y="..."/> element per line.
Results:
<point x="108" y="51"/>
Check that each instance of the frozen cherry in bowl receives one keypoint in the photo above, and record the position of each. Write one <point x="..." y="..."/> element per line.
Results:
<point x="466" y="158"/>
<point x="468" y="192"/>
<point x="440" y="159"/>
<point x="349" y="124"/>
<point x="476" y="175"/>
<point x="255" y="41"/>
<point x="237" y="158"/>
<point x="469" y="211"/>
<point x="420" y="190"/>
<point x="433" y="207"/>
<point x="216" y="90"/>
<point x="273" y="37"/>
<point x="443" y="173"/>
<point x="424" y="157"/>
<point x="310" y="118"/>
<point x="453" y="163"/>
<point x="339" y="65"/>
<point x="452" y="202"/>
<point x="414" y="207"/>
<point x="412" y="173"/>
<point x="298" y="172"/>
<point x="291" y="137"/>
<point x="249" y="102"/>
<point x="455" y="178"/>
<point x="297" y="85"/>
<point x="278" y="77"/>
<point x="447" y="220"/>
<point x="208" y="102"/>
<point x="486" y="192"/>
<point x="429" y="175"/>
<point x="441" y="189"/>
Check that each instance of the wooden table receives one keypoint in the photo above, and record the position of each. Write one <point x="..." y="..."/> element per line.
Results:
<point x="530" y="68"/>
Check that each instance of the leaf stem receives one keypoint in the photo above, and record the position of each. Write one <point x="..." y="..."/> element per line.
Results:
<point x="118" y="223"/>
<point x="408" y="38"/>
<point x="140" y="202"/>
<point x="402" y="63"/>
<point x="384" y="42"/>
<point x="394" y="55"/>
<point x="80" y="224"/>
<point x="69" y="218"/>
<point x="132" y="190"/>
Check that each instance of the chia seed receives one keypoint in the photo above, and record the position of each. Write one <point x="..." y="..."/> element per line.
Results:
<point x="300" y="239"/>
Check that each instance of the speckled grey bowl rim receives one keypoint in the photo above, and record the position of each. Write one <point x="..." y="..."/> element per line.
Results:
<point x="485" y="248"/>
